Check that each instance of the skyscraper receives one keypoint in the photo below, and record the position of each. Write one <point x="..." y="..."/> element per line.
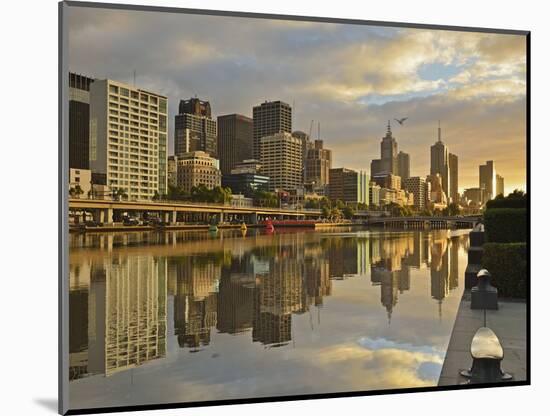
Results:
<point x="453" y="178"/>
<point x="172" y="170"/>
<point x="79" y="121"/>
<point x="306" y="146"/>
<point x="437" y="194"/>
<point x="500" y="185"/>
<point x="318" y="162"/>
<point x="439" y="161"/>
<point x="281" y="159"/>
<point x="375" y="167"/>
<point x="349" y="186"/>
<point x="194" y="128"/>
<point x="234" y="140"/>
<point x="487" y="180"/>
<point x="388" y="152"/>
<point x="403" y="165"/>
<point x="128" y="134"/>
<point x="270" y="117"/>
<point x="417" y="186"/>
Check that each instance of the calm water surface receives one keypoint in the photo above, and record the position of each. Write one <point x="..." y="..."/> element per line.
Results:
<point x="189" y="316"/>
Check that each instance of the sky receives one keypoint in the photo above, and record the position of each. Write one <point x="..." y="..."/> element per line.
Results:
<point x="351" y="79"/>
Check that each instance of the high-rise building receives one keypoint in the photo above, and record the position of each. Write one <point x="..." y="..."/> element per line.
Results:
<point x="270" y="117"/>
<point x="374" y="194"/>
<point x="388" y="196"/>
<point x="306" y="146"/>
<point x="403" y="165"/>
<point x="172" y="170"/>
<point x="375" y="167"/>
<point x="387" y="180"/>
<point x="247" y="166"/>
<point x="474" y="196"/>
<point x="198" y="168"/>
<point x="349" y="186"/>
<point x="439" y="161"/>
<point x="417" y="186"/>
<point x="281" y="159"/>
<point x="500" y="185"/>
<point x="245" y="178"/>
<point x="487" y="180"/>
<point x="195" y="107"/>
<point x="79" y="121"/>
<point x="234" y="140"/>
<point x="128" y="138"/>
<point x="453" y="178"/>
<point x="388" y="152"/>
<point x="194" y="128"/>
<point x="437" y="194"/>
<point x="318" y="163"/>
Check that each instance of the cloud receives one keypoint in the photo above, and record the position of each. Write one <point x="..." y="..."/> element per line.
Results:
<point x="351" y="78"/>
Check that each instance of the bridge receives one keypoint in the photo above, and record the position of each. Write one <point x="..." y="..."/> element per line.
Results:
<point x="172" y="212"/>
<point x="107" y="211"/>
<point x="422" y="222"/>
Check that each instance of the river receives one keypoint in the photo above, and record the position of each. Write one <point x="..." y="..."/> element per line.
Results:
<point x="167" y="317"/>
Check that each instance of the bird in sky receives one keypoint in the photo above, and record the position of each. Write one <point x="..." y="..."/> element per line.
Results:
<point x="401" y="120"/>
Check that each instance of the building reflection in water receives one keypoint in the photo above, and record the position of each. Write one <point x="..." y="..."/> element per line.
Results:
<point x="118" y="305"/>
<point x="195" y="299"/>
<point x="117" y="314"/>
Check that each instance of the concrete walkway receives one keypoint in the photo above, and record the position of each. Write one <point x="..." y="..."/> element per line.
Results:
<point x="509" y="324"/>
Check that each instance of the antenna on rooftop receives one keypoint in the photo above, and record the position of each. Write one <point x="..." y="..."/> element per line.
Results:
<point x="293" y="112"/>
<point x="134" y="77"/>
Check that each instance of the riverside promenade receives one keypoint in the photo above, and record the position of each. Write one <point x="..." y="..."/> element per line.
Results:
<point x="509" y="323"/>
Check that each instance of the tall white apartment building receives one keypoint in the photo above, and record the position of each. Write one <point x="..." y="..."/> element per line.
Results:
<point x="281" y="160"/>
<point x="128" y="138"/>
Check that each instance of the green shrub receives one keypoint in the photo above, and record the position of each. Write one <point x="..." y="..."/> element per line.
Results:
<point x="507" y="263"/>
<point x="507" y="203"/>
<point x="505" y="225"/>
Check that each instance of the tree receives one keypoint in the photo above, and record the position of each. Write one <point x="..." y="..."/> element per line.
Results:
<point x="265" y="199"/>
<point x="78" y="190"/>
<point x="176" y="193"/>
<point x="119" y="194"/>
<point x="517" y="194"/>
<point x="325" y="211"/>
<point x="426" y="212"/>
<point x="324" y="202"/>
<point x="348" y="212"/>
<point x="312" y="203"/>
<point x="335" y="214"/>
<point x="453" y="209"/>
<point x="220" y="195"/>
<point x="338" y="204"/>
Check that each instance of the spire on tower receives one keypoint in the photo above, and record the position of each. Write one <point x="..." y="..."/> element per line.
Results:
<point x="439" y="130"/>
<point x="389" y="128"/>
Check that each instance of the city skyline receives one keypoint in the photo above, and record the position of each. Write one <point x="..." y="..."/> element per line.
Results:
<point x="290" y="208"/>
<point x="475" y="83"/>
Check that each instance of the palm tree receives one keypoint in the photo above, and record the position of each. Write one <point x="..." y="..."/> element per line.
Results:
<point x="78" y="190"/>
<point x="119" y="194"/>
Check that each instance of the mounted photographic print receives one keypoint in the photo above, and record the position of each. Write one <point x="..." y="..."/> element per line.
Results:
<point x="263" y="207"/>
